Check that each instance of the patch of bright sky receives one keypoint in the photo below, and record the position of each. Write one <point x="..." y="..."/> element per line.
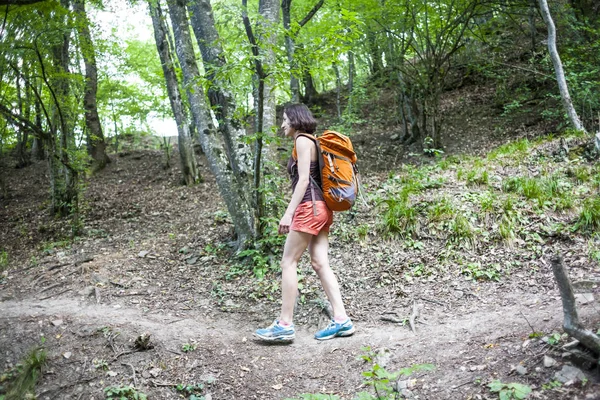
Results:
<point x="124" y="22"/>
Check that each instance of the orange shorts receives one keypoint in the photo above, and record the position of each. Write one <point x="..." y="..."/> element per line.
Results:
<point x="306" y="221"/>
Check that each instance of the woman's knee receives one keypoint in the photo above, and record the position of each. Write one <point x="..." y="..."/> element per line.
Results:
<point x="318" y="265"/>
<point x="288" y="263"/>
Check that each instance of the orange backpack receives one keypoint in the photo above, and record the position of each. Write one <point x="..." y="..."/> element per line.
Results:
<point x="339" y="174"/>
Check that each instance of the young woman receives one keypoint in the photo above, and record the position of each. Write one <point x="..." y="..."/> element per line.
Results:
<point x="306" y="223"/>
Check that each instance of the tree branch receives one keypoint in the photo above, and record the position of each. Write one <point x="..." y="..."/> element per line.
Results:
<point x="21" y="122"/>
<point x="311" y="13"/>
<point x="571" y="323"/>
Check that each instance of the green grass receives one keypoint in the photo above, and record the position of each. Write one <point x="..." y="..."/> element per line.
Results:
<point x="399" y="219"/>
<point x="26" y="375"/>
<point x="461" y="229"/>
<point x="589" y="217"/>
<point x="516" y="149"/>
<point x="441" y="209"/>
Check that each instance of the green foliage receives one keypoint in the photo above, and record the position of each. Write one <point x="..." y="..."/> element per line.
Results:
<point x="100" y="363"/>
<point x="3" y="260"/>
<point x="191" y="390"/>
<point x="516" y="150"/>
<point x="188" y="347"/>
<point x="383" y="381"/>
<point x="589" y="217"/>
<point x="476" y="272"/>
<point x="123" y="393"/>
<point x="23" y="378"/>
<point x="510" y="391"/>
<point x="399" y="219"/>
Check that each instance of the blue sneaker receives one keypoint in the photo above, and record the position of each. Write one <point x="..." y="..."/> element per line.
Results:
<point x="276" y="333"/>
<point x="334" y="329"/>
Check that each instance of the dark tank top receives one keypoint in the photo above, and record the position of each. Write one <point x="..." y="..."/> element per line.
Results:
<point x="292" y="169"/>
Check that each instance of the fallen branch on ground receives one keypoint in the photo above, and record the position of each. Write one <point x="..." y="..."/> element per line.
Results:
<point x="571" y="323"/>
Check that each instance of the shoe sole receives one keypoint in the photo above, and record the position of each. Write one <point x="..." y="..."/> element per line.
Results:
<point x="289" y="338"/>
<point x="348" y="332"/>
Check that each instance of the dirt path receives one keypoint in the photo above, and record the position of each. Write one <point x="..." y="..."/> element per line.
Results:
<point x="478" y="343"/>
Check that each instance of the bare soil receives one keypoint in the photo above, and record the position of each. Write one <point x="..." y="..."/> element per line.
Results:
<point x="154" y="260"/>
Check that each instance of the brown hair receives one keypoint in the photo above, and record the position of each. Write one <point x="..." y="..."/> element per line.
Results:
<point x="300" y="117"/>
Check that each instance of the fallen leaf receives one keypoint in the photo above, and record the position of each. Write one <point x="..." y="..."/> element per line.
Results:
<point x="277" y="387"/>
<point x="245" y="369"/>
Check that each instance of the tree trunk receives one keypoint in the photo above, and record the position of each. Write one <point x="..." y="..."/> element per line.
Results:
<point x="571" y="322"/>
<point x="189" y="167"/>
<point x="375" y="52"/>
<point x="221" y="101"/>
<point x="66" y="186"/>
<point x="310" y="91"/>
<point x="558" y="68"/>
<point x="95" y="136"/>
<point x="238" y="207"/>
<point x="38" y="149"/>
<point x="338" y="90"/>
<point x="269" y="10"/>
<point x="290" y="44"/>
<point x="351" y="72"/>
<point x="290" y="47"/>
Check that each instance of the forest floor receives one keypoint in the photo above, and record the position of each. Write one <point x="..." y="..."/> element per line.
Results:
<point x="154" y="260"/>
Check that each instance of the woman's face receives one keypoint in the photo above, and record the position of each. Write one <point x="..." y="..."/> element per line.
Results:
<point x="287" y="129"/>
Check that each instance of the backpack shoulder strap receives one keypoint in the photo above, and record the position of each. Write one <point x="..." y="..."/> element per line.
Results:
<point x="313" y="184"/>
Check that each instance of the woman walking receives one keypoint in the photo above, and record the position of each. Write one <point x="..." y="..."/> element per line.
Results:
<point x="306" y="222"/>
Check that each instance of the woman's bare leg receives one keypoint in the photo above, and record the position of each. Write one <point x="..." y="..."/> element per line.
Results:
<point x="295" y="244"/>
<point x="319" y="257"/>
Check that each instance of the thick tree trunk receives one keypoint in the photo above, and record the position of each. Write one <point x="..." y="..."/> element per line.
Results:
<point x="95" y="136"/>
<point x="310" y="91"/>
<point x="239" y="209"/>
<point x="558" y="68"/>
<point x="221" y="101"/>
<point x="189" y="167"/>
<point x="571" y="322"/>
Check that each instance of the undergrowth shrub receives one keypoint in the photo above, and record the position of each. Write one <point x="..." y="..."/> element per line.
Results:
<point x="23" y="378"/>
<point x="399" y="219"/>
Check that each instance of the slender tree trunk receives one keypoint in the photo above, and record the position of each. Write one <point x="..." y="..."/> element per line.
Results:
<point x="351" y="72"/>
<point x="37" y="148"/>
<point x="290" y="47"/>
<point x="189" y="167"/>
<point x="338" y="90"/>
<point x="22" y="137"/>
<point x="66" y="194"/>
<point x="237" y="206"/>
<point x="532" y="30"/>
<point x="558" y="68"/>
<point x="95" y="136"/>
